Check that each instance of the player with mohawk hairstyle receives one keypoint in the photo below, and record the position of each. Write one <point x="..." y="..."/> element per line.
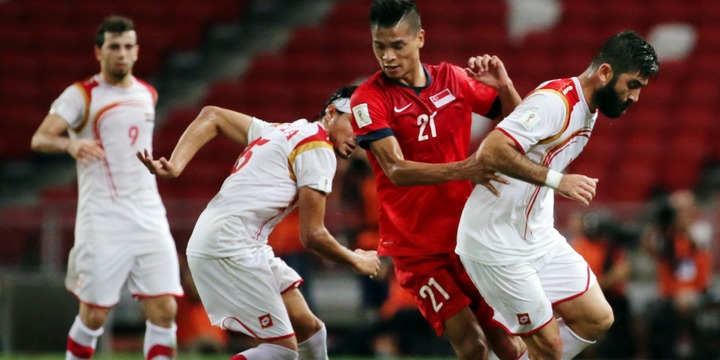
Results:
<point x="414" y="120"/>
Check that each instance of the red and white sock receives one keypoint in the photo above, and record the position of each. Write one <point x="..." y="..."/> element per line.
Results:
<point x="159" y="342"/>
<point x="81" y="341"/>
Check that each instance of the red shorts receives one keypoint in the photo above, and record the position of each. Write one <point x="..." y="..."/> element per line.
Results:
<point x="441" y="288"/>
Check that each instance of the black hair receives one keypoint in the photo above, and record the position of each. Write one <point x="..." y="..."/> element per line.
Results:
<point x="628" y="52"/>
<point x="115" y="24"/>
<point x="388" y="13"/>
<point x="343" y="92"/>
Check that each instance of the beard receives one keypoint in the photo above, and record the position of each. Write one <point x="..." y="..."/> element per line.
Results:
<point x="119" y="74"/>
<point x="608" y="101"/>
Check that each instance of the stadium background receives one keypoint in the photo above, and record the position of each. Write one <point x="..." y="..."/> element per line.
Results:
<point x="279" y="60"/>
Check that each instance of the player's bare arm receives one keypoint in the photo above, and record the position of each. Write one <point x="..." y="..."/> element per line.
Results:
<point x="211" y="121"/>
<point x="490" y="70"/>
<point x="315" y="236"/>
<point x="409" y="173"/>
<point x="498" y="152"/>
<point x="50" y="138"/>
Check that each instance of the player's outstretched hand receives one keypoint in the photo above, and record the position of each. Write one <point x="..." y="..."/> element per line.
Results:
<point x="161" y="167"/>
<point x="578" y="187"/>
<point x="367" y="262"/>
<point x="488" y="70"/>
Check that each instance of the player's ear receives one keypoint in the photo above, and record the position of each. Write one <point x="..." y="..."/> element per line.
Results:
<point x="421" y="38"/>
<point x="330" y="111"/>
<point x="605" y="73"/>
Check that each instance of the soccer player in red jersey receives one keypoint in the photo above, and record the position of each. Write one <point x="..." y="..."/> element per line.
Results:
<point x="414" y="120"/>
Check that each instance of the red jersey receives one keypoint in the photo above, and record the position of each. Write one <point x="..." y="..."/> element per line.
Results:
<point x="432" y="125"/>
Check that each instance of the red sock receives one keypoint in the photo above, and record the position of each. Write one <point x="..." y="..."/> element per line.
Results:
<point x="160" y="350"/>
<point x="81" y="351"/>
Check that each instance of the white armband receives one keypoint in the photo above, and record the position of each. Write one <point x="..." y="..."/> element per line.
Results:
<point x="552" y="180"/>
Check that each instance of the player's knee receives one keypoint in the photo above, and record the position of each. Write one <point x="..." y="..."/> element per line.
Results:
<point x="547" y="347"/>
<point x="470" y="348"/>
<point x="93" y="317"/>
<point x="306" y="327"/>
<point x="510" y="349"/>
<point x="161" y="311"/>
<point x="601" y="322"/>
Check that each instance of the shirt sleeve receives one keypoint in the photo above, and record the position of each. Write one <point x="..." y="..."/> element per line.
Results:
<point x="370" y="116"/>
<point x="540" y="116"/>
<point x="256" y="128"/>
<point x="315" y="168"/>
<point x="369" y="110"/>
<point x="70" y="106"/>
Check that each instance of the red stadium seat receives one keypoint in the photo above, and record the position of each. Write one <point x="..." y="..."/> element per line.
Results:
<point x="601" y="147"/>
<point x="346" y="38"/>
<point x="178" y="119"/>
<point x="644" y="146"/>
<point x="21" y="235"/>
<point x="226" y="94"/>
<point x="700" y="92"/>
<point x="16" y="38"/>
<point x="592" y="167"/>
<point x="92" y="11"/>
<point x="20" y="92"/>
<point x="631" y="180"/>
<point x="625" y="15"/>
<point x="269" y="67"/>
<point x="696" y="118"/>
<point x="11" y="12"/>
<point x="351" y="13"/>
<point x="49" y="12"/>
<point x="587" y="10"/>
<point x="674" y="11"/>
<point x="654" y="121"/>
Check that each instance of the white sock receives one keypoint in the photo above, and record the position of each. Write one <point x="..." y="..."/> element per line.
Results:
<point x="266" y="351"/>
<point x="159" y="342"/>
<point x="314" y="348"/>
<point x="81" y="341"/>
<point x="492" y="356"/>
<point x="572" y="343"/>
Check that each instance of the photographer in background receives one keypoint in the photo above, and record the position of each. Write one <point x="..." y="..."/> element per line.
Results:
<point x="600" y="243"/>
<point x="684" y="274"/>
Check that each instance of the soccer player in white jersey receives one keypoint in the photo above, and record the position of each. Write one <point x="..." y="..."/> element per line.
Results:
<point x="121" y="231"/>
<point x="520" y="263"/>
<point x="243" y="286"/>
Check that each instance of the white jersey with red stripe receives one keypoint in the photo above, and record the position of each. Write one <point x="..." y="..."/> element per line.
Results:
<point x="552" y="126"/>
<point x="118" y="197"/>
<point x="263" y="187"/>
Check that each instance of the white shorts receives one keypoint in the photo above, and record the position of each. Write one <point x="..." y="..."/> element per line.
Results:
<point x="98" y="270"/>
<point x="244" y="293"/>
<point x="523" y="294"/>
